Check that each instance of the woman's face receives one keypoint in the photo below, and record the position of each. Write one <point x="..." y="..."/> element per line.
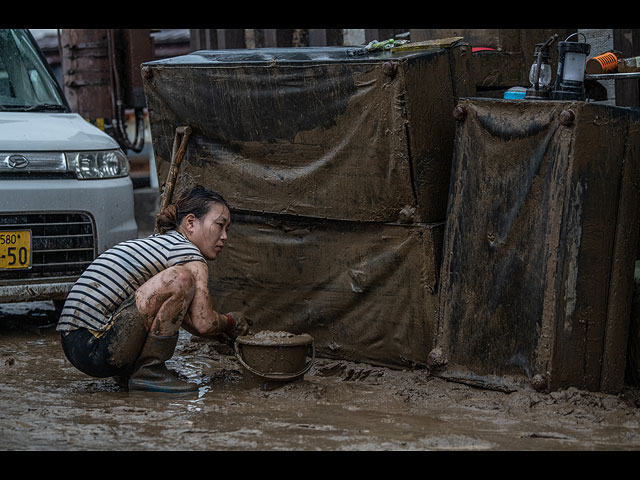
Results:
<point x="209" y="232"/>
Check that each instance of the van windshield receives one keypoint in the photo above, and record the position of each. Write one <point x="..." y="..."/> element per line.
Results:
<point x="25" y="82"/>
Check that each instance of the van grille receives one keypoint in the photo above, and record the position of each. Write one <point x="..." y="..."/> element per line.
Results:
<point x="63" y="244"/>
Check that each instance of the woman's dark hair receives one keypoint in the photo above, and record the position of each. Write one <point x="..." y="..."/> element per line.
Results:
<point x="197" y="200"/>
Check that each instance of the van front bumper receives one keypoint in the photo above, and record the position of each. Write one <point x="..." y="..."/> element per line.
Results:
<point x="35" y="292"/>
<point x="108" y="202"/>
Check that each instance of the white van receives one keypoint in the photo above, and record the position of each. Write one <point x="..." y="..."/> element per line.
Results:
<point x="65" y="191"/>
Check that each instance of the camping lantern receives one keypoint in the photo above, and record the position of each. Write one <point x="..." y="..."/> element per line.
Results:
<point x="572" y="57"/>
<point x="540" y="73"/>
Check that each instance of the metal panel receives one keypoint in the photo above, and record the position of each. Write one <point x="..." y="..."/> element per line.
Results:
<point x="540" y="245"/>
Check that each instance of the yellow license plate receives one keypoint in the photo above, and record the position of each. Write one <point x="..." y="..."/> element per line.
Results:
<point x="15" y="249"/>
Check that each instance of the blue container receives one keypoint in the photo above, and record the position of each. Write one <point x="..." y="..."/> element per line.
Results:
<point x="515" y="93"/>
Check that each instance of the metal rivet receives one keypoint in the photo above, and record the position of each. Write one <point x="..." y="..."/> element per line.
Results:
<point x="436" y="359"/>
<point x="567" y="117"/>
<point x="389" y="69"/>
<point x="460" y="113"/>
<point x="147" y="73"/>
<point x="539" y="382"/>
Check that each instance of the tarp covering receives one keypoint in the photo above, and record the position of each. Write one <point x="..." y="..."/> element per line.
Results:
<point x="540" y="243"/>
<point x="336" y="163"/>
<point x="320" y="132"/>
<point x="364" y="291"/>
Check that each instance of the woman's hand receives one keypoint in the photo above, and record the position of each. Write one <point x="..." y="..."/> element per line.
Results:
<point x="240" y="325"/>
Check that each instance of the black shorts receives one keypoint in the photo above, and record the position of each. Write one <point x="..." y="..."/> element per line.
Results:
<point x="112" y="353"/>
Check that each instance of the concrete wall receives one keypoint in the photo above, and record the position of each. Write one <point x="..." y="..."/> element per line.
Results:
<point x="601" y="41"/>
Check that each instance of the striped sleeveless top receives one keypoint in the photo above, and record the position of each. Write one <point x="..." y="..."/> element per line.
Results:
<point x="117" y="273"/>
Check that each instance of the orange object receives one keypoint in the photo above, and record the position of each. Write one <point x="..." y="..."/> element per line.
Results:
<point x="605" y="63"/>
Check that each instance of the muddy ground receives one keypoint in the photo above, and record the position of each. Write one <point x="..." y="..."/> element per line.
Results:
<point x="46" y="404"/>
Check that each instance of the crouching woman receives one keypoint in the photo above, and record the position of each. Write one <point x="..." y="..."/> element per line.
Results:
<point x="122" y="316"/>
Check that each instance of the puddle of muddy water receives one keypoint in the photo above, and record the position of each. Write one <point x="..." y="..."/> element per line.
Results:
<point x="45" y="404"/>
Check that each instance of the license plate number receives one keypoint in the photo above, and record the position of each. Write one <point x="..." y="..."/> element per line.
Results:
<point x="15" y="249"/>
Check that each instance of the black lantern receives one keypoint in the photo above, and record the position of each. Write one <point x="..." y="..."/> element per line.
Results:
<point x="572" y="57"/>
<point x="540" y="72"/>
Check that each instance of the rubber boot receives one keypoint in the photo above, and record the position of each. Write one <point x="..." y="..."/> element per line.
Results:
<point x="122" y="381"/>
<point x="150" y="373"/>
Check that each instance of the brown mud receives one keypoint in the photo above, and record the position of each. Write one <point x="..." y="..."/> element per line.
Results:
<point x="46" y="404"/>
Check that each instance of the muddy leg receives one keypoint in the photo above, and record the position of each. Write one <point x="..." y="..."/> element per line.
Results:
<point x="163" y="303"/>
<point x="164" y="300"/>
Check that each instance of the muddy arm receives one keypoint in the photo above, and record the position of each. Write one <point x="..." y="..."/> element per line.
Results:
<point x="202" y="320"/>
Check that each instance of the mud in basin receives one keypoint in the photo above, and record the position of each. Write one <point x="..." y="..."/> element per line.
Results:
<point x="271" y="359"/>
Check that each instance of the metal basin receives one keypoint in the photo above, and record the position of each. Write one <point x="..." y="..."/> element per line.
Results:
<point x="272" y="359"/>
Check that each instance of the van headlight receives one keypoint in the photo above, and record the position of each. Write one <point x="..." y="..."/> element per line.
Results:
<point x="98" y="164"/>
